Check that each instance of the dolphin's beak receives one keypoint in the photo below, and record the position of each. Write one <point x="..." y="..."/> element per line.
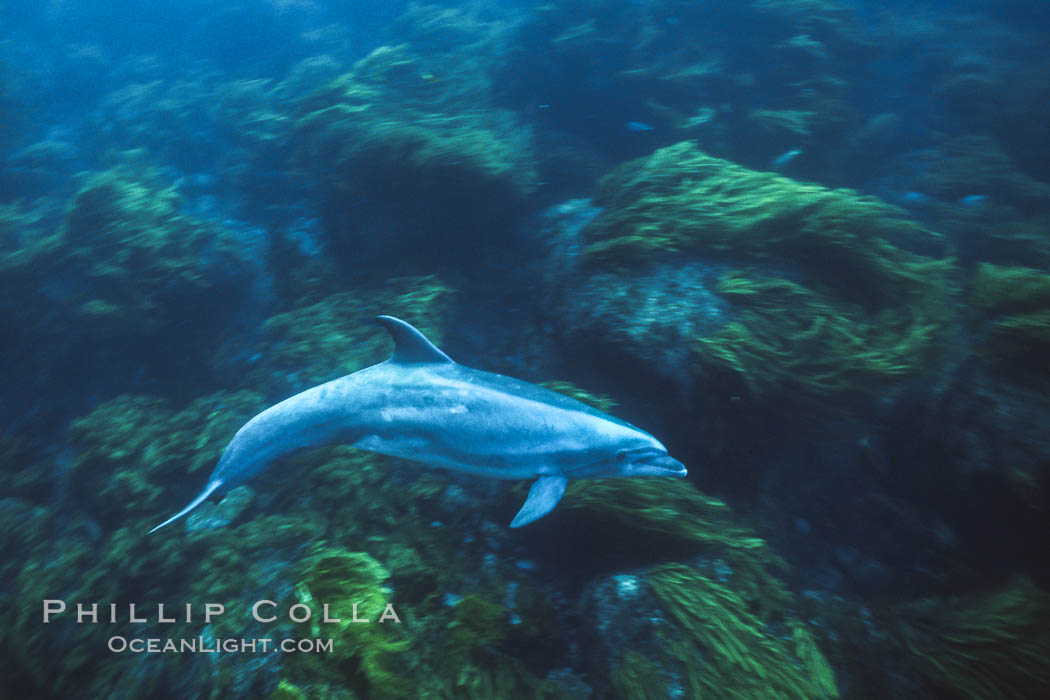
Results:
<point x="672" y="465"/>
<point x="662" y="465"/>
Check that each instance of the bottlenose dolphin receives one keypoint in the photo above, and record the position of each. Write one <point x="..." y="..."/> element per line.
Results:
<point x="422" y="406"/>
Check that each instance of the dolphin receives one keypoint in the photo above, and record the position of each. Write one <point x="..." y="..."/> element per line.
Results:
<point x="422" y="406"/>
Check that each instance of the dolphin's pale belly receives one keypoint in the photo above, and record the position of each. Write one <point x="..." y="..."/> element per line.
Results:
<point x="449" y="420"/>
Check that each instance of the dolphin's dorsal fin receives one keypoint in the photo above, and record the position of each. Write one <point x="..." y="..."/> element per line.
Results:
<point x="410" y="346"/>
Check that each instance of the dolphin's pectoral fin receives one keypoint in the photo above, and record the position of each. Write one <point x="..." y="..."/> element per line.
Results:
<point x="543" y="496"/>
<point x="410" y="346"/>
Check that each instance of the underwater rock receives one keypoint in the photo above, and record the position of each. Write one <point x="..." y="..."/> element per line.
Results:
<point x="129" y="449"/>
<point x="700" y="268"/>
<point x="980" y="437"/>
<point x="33" y="318"/>
<point x="713" y="616"/>
<point x="984" y="646"/>
<point x="720" y="298"/>
<point x="620" y="615"/>
<point x="398" y="150"/>
<point x="971" y="189"/>
<point x="41" y="166"/>
<point x="21" y="475"/>
<point x="237" y="131"/>
<point x="1011" y="310"/>
<point x="147" y="266"/>
<point x="673" y="66"/>
<point x="674" y="631"/>
<point x="223" y="513"/>
<point x="861" y="643"/>
<point x="110" y="299"/>
<point x="337" y="335"/>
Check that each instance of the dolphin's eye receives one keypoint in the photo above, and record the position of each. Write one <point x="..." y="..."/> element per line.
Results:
<point x="621" y="456"/>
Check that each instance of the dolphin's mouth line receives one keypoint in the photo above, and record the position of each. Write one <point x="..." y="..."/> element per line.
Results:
<point x="652" y="458"/>
<point x="672" y="465"/>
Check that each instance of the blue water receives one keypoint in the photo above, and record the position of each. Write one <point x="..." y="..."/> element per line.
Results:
<point x="805" y="244"/>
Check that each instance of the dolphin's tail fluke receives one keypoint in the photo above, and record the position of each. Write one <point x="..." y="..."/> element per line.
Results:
<point x="208" y="490"/>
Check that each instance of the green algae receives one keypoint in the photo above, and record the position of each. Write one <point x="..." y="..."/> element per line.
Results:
<point x="681" y="199"/>
<point x="21" y="473"/>
<point x="287" y="691"/>
<point x="132" y="446"/>
<point x="794" y="121"/>
<point x="338" y="334"/>
<point x="453" y="651"/>
<point x="31" y="250"/>
<point x="982" y="647"/>
<point x="676" y="512"/>
<point x="962" y="166"/>
<point x="857" y="310"/>
<point x="132" y="452"/>
<point x="599" y="401"/>
<point x="638" y="677"/>
<point x="1001" y="289"/>
<point x="665" y="506"/>
<point x="392" y="125"/>
<point x="466" y="649"/>
<point x="784" y="333"/>
<point x="119" y="265"/>
<point x="1014" y="303"/>
<point x="726" y="650"/>
<point x="730" y="630"/>
<point x="146" y="261"/>
<point x="476" y="622"/>
<point x="351" y="583"/>
<point x="26" y="236"/>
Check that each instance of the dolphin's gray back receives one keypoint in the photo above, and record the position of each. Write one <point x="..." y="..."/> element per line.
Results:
<point x="474" y="421"/>
<point x="440" y="413"/>
<point x="316" y="417"/>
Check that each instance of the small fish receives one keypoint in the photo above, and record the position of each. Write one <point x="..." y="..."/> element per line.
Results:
<point x="782" y="161"/>
<point x="638" y="126"/>
<point x="974" y="200"/>
<point x="913" y="197"/>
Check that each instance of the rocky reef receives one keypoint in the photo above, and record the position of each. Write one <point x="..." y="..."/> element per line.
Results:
<point x="802" y="242"/>
<point x="401" y="147"/>
<point x="781" y="289"/>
